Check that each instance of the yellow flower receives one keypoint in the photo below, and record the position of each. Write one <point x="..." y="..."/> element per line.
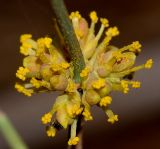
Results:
<point x="46" y="118"/>
<point x="35" y="82"/>
<point x="136" y="84"/>
<point x="98" y="83"/>
<point x="148" y="64"/>
<point x="21" y="72"/>
<point x="24" y="37"/>
<point x="93" y="16"/>
<point x="85" y="72"/>
<point x="73" y="141"/>
<point x="21" y="89"/>
<point x="87" y="115"/>
<point x="105" y="101"/>
<point x="51" y="131"/>
<point x="112" y="31"/>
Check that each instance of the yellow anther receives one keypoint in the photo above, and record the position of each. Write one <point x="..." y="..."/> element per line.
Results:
<point x="98" y="83"/>
<point x="21" y="89"/>
<point x="113" y="119"/>
<point x="36" y="83"/>
<point x="135" y="46"/>
<point x="24" y="48"/>
<point x="105" y="22"/>
<point x="85" y="72"/>
<point x="105" y="101"/>
<point x="93" y="16"/>
<point x="148" y="64"/>
<point x="56" y="67"/>
<point x="112" y="31"/>
<point x="75" y="110"/>
<point x="118" y="55"/>
<point x="47" y="42"/>
<point x="136" y="84"/>
<point x="46" y="118"/>
<point x="24" y="37"/>
<point x="65" y="65"/>
<point x="87" y="115"/>
<point x="73" y="141"/>
<point x="21" y="72"/>
<point x="51" y="132"/>
<point x="71" y="86"/>
<point x="125" y="87"/>
<point x="75" y="15"/>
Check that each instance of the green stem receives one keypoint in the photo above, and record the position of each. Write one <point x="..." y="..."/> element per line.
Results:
<point x="10" y="134"/>
<point x="70" y="39"/>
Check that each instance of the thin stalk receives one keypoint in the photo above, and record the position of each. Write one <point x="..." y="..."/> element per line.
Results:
<point x="10" y="133"/>
<point x="73" y="47"/>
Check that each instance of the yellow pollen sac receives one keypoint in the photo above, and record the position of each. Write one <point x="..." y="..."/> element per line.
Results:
<point x="118" y="55"/>
<point x="46" y="118"/>
<point x="93" y="16"/>
<point x="21" y="89"/>
<point x="76" y="110"/>
<point x="35" y="82"/>
<point x="136" y="84"/>
<point x="105" y="22"/>
<point x="73" y="141"/>
<point x="105" y="101"/>
<point x="21" y="72"/>
<point x="65" y="65"/>
<point x="85" y="72"/>
<point x="112" y="31"/>
<point x="148" y="64"/>
<point x="87" y="115"/>
<point x="47" y="42"/>
<point x="56" y="67"/>
<point x="98" y="83"/>
<point x="51" y="132"/>
<point x="125" y="87"/>
<point x="71" y="86"/>
<point x="24" y="37"/>
<point x="135" y="46"/>
<point x="113" y="119"/>
<point x="24" y="49"/>
<point x="75" y="15"/>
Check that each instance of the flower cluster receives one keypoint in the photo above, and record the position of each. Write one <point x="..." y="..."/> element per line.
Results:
<point x="108" y="68"/>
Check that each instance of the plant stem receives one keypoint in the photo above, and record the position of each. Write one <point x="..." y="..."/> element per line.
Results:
<point x="10" y="134"/>
<point x="73" y="46"/>
<point x="70" y="39"/>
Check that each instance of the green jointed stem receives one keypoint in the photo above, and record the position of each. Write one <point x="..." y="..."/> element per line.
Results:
<point x="68" y="33"/>
<point x="10" y="134"/>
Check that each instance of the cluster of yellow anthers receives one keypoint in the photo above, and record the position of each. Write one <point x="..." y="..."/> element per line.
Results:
<point x="108" y="68"/>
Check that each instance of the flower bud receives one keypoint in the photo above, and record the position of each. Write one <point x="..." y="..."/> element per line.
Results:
<point x="46" y="72"/>
<point x="31" y="62"/>
<point x="105" y="90"/>
<point x="92" y="97"/>
<point x="127" y="61"/>
<point x="59" y="82"/>
<point x="62" y="117"/>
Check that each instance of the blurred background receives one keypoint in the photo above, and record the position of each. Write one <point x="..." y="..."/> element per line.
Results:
<point x="139" y="111"/>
